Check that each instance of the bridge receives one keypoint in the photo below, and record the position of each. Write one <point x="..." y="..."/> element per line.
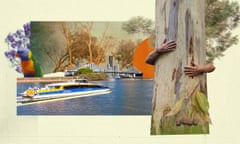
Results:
<point x="123" y="74"/>
<point x="130" y="73"/>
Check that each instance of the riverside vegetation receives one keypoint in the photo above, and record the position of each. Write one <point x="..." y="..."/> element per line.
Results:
<point x="90" y="75"/>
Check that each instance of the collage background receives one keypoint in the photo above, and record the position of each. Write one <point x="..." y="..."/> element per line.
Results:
<point x="222" y="85"/>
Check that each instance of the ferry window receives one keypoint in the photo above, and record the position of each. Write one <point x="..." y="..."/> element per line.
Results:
<point x="71" y="87"/>
<point x="57" y="87"/>
<point x="81" y="81"/>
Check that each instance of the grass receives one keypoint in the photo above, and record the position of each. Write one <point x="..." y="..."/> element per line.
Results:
<point x="169" y="128"/>
<point x="185" y="130"/>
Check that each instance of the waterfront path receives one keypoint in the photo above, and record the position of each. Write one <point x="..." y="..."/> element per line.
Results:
<point x="44" y="79"/>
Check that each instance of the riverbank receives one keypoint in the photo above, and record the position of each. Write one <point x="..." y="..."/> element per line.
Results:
<point x="90" y="77"/>
<point x="43" y="79"/>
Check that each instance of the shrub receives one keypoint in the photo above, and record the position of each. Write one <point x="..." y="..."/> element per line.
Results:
<point x="84" y="71"/>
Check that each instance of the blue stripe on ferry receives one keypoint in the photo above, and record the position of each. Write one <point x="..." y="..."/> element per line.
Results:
<point x="72" y="90"/>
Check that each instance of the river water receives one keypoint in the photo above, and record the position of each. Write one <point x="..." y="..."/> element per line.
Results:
<point x="128" y="97"/>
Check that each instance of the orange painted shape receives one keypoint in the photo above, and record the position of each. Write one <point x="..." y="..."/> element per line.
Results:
<point x="139" y="57"/>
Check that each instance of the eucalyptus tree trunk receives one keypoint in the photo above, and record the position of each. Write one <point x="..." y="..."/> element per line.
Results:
<point x="182" y="21"/>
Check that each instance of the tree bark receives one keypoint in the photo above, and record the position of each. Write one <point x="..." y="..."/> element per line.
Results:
<point x="182" y="21"/>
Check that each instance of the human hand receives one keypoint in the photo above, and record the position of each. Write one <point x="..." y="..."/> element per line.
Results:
<point x="167" y="46"/>
<point x="195" y="70"/>
<point x="192" y="70"/>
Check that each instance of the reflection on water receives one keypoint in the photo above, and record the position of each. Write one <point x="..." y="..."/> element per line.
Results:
<point x="128" y="97"/>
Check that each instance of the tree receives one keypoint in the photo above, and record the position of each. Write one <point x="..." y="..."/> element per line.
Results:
<point x="124" y="53"/>
<point x="47" y="44"/>
<point x="79" y="45"/>
<point x="67" y="34"/>
<point x="222" y="17"/>
<point x="59" y="59"/>
<point x="104" y="42"/>
<point x="138" y="25"/>
<point x="62" y="44"/>
<point x="90" y="47"/>
<point x="174" y="93"/>
<point x="86" y="28"/>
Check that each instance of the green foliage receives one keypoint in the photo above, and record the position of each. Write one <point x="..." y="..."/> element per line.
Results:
<point x="202" y="102"/>
<point x="84" y="71"/>
<point x="222" y="17"/>
<point x="94" y="76"/>
<point x="187" y="115"/>
<point x="138" y="25"/>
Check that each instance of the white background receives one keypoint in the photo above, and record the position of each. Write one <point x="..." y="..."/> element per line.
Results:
<point x="222" y="85"/>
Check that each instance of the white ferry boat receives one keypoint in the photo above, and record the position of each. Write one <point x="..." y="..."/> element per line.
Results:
<point x="74" y="88"/>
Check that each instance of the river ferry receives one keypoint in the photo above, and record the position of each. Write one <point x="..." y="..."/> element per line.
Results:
<point x="73" y="88"/>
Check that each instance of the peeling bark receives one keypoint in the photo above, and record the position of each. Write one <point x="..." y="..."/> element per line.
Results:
<point x="182" y="21"/>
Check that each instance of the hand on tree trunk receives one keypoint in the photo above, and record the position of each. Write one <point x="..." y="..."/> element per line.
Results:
<point x="166" y="46"/>
<point x="195" y="70"/>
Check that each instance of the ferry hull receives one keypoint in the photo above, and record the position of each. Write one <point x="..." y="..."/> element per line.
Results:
<point x="21" y="100"/>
